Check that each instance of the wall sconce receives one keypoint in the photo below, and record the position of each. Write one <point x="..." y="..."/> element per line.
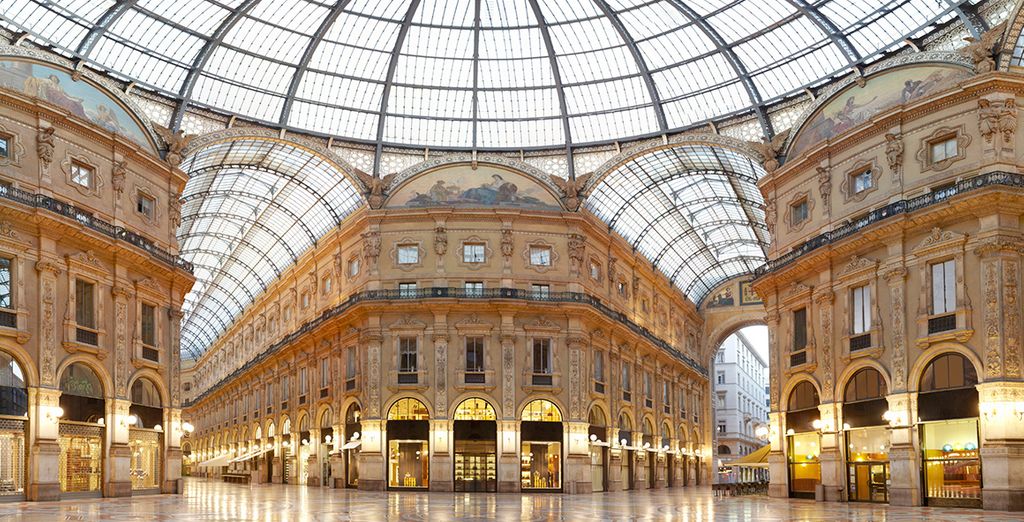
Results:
<point x="761" y="432"/>
<point x="128" y="421"/>
<point x="355" y="436"/>
<point x="623" y="443"/>
<point x="305" y="442"/>
<point x="187" y="427"/>
<point x="158" y="428"/>
<point x="286" y="444"/>
<point x="593" y="437"/>
<point x="54" y="413"/>
<point x="816" y="424"/>
<point x="328" y="439"/>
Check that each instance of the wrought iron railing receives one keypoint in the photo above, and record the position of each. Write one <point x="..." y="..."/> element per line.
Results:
<point x="895" y="208"/>
<point x="86" y="219"/>
<point x="459" y="293"/>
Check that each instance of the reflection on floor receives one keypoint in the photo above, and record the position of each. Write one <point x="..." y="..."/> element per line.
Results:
<point x="208" y="500"/>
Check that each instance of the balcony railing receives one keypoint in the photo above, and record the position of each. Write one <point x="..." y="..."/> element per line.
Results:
<point x="87" y="220"/>
<point x="461" y="293"/>
<point x="798" y="358"/>
<point x="942" y="323"/>
<point x="87" y="336"/>
<point x="860" y="342"/>
<point x="150" y="354"/>
<point x="903" y="206"/>
<point x="475" y="377"/>
<point x="8" y="319"/>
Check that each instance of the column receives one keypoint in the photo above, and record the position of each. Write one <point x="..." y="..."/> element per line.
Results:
<point x="508" y="458"/>
<point x="441" y="465"/>
<point x="313" y="475"/>
<point x="831" y="457"/>
<point x="172" y="451"/>
<point x="904" y="451"/>
<point x="577" y="463"/>
<point x="778" y="468"/>
<point x="372" y="462"/>
<point x="118" y="481"/>
<point x="43" y="460"/>
<point x="1002" y="445"/>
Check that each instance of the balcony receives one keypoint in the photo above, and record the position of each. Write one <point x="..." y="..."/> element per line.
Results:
<point x="408" y="378"/>
<point x="942" y="323"/>
<point x="87" y="336"/>
<point x="798" y="358"/>
<point x="475" y="377"/>
<point x="542" y="379"/>
<point x="150" y="354"/>
<point x="860" y="342"/>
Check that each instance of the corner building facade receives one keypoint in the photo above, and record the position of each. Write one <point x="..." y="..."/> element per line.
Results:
<point x="893" y="292"/>
<point x="485" y="345"/>
<point x="90" y="292"/>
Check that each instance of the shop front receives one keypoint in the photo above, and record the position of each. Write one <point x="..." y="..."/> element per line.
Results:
<point x="81" y="432"/>
<point x="145" y="437"/>
<point x="628" y="452"/>
<point x="803" y="441"/>
<point x="867" y="440"/>
<point x="649" y="453"/>
<point x="475" y="432"/>
<point x="13" y="418"/>
<point x="541" y="450"/>
<point x="408" y="436"/>
<point x="598" y="434"/>
<point x="324" y="447"/>
<point x="948" y="411"/>
<point x="353" y="433"/>
<point x="670" y="463"/>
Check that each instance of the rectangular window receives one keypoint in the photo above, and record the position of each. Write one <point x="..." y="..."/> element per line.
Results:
<point x="408" y="254"/>
<point x="861" y="309"/>
<point x="407" y="355"/>
<point x="540" y="291"/>
<point x="407" y="289"/>
<point x="303" y="381"/>
<point x="943" y="149"/>
<point x="285" y="391"/>
<point x="287" y="314"/>
<point x="353" y="267"/>
<point x="595" y="271"/>
<point x="148" y="324"/>
<point x="666" y="396"/>
<point x="944" y="287"/>
<point x="474" y="354"/>
<point x="305" y="300"/>
<point x="540" y="256"/>
<point x="542" y="356"/>
<point x="799" y="329"/>
<point x="861" y="181"/>
<point x="84" y="304"/>
<point x="599" y="366"/>
<point x="325" y="372"/>
<point x="145" y="205"/>
<point x="627" y="382"/>
<point x="474" y="288"/>
<point x="621" y="287"/>
<point x="682" y="403"/>
<point x="6" y="284"/>
<point x="721" y="428"/>
<point x="721" y="377"/>
<point x="350" y="363"/>
<point x="799" y="212"/>
<point x="473" y="253"/>
<point x="647" y="385"/>
<point x="82" y="174"/>
<point x="328" y="282"/>
<point x="5" y="147"/>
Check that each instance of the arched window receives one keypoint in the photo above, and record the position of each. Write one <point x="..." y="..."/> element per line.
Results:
<point x="408" y="409"/>
<point x="144" y="393"/>
<point x="475" y="409"/>
<point x="804" y="396"/>
<point x="947" y="372"/>
<point x="865" y="385"/>
<point x="541" y="410"/>
<point x="81" y="394"/>
<point x="648" y="427"/>
<point x="13" y="395"/>
<point x="352" y="414"/>
<point x="325" y="418"/>
<point x="724" y="450"/>
<point x="597" y="418"/>
<point x="624" y="423"/>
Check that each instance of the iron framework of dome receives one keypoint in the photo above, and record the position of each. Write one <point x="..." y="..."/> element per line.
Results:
<point x="481" y="74"/>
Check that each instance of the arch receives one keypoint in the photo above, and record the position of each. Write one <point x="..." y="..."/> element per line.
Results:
<point x="541" y="410"/>
<point x="683" y="432"/>
<point x="695" y="441"/>
<point x="150" y="393"/>
<point x="596" y="416"/>
<point x="286" y="425"/>
<point x="408" y="408"/>
<point x="474" y="394"/>
<point x="14" y="386"/>
<point x="666" y="429"/>
<point x="855" y="366"/>
<point x="804" y="393"/>
<point x="474" y="408"/>
<point x="28" y="366"/>
<point x="325" y="417"/>
<point x="455" y="159"/>
<point x="792" y="383"/>
<point x="735" y="320"/>
<point x="625" y="420"/>
<point x="969" y="374"/>
<point x="724" y="450"/>
<point x="353" y="412"/>
<point x="303" y="423"/>
<point x="547" y="397"/>
<point x="271" y="429"/>
<point x="647" y="426"/>
<point x="937" y="349"/>
<point x="89" y="362"/>
<point x="863" y="381"/>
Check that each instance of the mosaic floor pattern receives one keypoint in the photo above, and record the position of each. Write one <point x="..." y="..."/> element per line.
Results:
<point x="214" y="501"/>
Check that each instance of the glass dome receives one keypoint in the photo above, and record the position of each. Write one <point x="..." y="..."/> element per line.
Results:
<point x="480" y="74"/>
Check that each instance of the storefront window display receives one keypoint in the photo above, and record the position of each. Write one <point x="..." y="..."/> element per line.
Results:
<point x="804" y="463"/>
<point x="952" y="463"/>
<point x="541" y="450"/>
<point x="145" y="461"/>
<point x="867" y="458"/>
<point x="408" y="431"/>
<point x="81" y="431"/>
<point x="476" y="443"/>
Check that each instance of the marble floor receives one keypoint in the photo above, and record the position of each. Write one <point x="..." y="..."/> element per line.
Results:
<point x="206" y="500"/>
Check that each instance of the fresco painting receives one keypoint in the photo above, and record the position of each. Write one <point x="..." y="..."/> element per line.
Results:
<point x="462" y="186"/>
<point x="855" y="105"/>
<point x="79" y="98"/>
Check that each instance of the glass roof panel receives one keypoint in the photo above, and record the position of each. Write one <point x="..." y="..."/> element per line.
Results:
<point x="316" y="65"/>
<point x="250" y="209"/>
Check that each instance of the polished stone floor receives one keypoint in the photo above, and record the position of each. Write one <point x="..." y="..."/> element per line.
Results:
<point x="209" y="501"/>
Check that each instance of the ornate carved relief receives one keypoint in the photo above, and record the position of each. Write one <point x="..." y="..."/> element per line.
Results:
<point x="979" y="51"/>
<point x="770" y="149"/>
<point x="440" y="240"/>
<point x="575" y="389"/>
<point x="894" y="155"/>
<point x="48" y="350"/>
<point x="508" y="368"/>
<point x="121" y="295"/>
<point x="45" y="145"/>
<point x="572" y="189"/>
<point x="507" y="243"/>
<point x="824" y="301"/>
<point x="371" y="248"/>
<point x="825" y="185"/>
<point x="376" y="187"/>
<point x="7" y="230"/>
<point x="577" y="251"/>
<point x="176" y="143"/>
<point x="1011" y="318"/>
<point x="174" y="211"/>
<point x="895" y="277"/>
<point x="118" y="175"/>
<point x="993" y="359"/>
<point x="997" y="123"/>
<point x="857" y="264"/>
<point x="441" y="377"/>
<point x="373" y="379"/>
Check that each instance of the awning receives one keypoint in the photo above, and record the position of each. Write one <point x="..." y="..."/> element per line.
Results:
<point x="250" y="455"/>
<point x="757" y="459"/>
<point x="216" y="462"/>
<point x="352" y="444"/>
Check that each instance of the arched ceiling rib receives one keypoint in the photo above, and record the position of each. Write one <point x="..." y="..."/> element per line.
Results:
<point x="481" y="74"/>
<point x="693" y="210"/>
<point x="249" y="210"/>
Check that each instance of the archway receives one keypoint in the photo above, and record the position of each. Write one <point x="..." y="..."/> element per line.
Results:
<point x="598" y="433"/>
<point x="82" y="431"/>
<point x="628" y="451"/>
<point x="324" y="445"/>
<point x="145" y="436"/>
<point x="408" y="435"/>
<point x="803" y="439"/>
<point x="14" y="404"/>
<point x="541" y="451"/>
<point x="475" y="432"/>
<point x="867" y="436"/>
<point x="352" y="434"/>
<point x="740" y="399"/>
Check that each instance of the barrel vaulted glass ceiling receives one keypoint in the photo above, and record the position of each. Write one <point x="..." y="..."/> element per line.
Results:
<point x="486" y="74"/>
<point x="249" y="210"/>
<point x="695" y="211"/>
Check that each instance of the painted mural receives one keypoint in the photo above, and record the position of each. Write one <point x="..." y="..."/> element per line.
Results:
<point x="855" y="105"/>
<point x="80" y="98"/>
<point x="463" y="186"/>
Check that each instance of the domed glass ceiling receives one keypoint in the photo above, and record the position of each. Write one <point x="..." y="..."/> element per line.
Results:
<point x="487" y="74"/>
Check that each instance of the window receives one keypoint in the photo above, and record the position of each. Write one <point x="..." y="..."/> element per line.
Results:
<point x="148" y="324"/>
<point x="407" y="355"/>
<point x="187" y="386"/>
<point x="542" y="356"/>
<point x="473" y="253"/>
<point x="305" y="300"/>
<point x="325" y="372"/>
<point x="666" y="396"/>
<point x="721" y="429"/>
<point x="799" y="329"/>
<point x="408" y="254"/>
<point x="627" y="386"/>
<point x="599" y="367"/>
<point x="474" y="354"/>
<point x="145" y="204"/>
<point x="287" y="314"/>
<point x="682" y="403"/>
<point x="944" y="287"/>
<point x="5" y="147"/>
<point x="721" y="377"/>
<point x="84" y="304"/>
<point x="353" y="267"/>
<point x="350" y="368"/>
<point x="328" y="282"/>
<point x="285" y="391"/>
<point x="861" y="309"/>
<point x="407" y="289"/>
<point x="540" y="256"/>
<point x="6" y="284"/>
<point x="303" y="381"/>
<point x="799" y="212"/>
<point x="621" y="287"/>
<point x="82" y="174"/>
<point x="474" y="288"/>
<point x="861" y="181"/>
<point x="647" y="385"/>
<point x="540" y="291"/>
<point x="943" y="149"/>
<point x="595" y="271"/>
